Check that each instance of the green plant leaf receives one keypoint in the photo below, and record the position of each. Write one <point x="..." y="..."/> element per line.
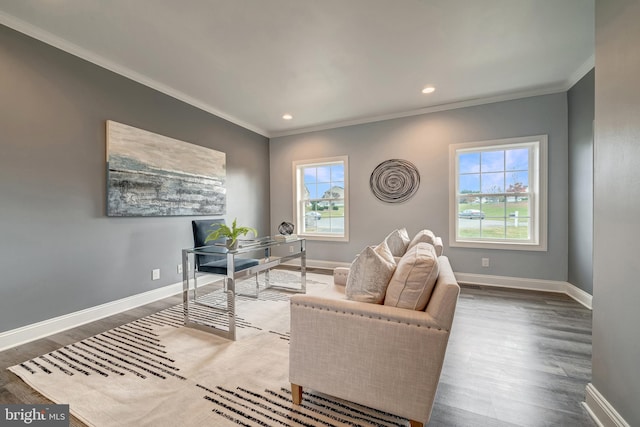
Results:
<point x="230" y="233"/>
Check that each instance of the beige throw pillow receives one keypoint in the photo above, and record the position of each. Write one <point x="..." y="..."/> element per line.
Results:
<point x="423" y="236"/>
<point x="414" y="278"/>
<point x="370" y="273"/>
<point x="429" y="237"/>
<point x="398" y="240"/>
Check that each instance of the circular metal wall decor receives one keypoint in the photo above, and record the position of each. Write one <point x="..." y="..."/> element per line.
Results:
<point x="394" y="181"/>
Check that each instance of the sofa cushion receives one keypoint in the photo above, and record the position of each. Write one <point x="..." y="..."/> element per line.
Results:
<point x="398" y="240"/>
<point x="428" y="237"/>
<point x="414" y="278"/>
<point x="370" y="273"/>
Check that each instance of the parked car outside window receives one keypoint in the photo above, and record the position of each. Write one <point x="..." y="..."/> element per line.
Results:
<point x="471" y="214"/>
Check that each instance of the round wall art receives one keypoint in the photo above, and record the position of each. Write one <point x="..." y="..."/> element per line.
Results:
<point x="394" y="181"/>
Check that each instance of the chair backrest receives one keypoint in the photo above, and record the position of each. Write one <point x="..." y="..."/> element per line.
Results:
<point x="201" y="229"/>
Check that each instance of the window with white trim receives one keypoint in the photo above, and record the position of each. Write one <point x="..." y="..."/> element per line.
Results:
<point x="499" y="194"/>
<point x="321" y="195"/>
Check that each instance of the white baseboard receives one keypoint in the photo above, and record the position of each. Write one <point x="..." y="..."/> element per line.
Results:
<point x="42" y="329"/>
<point x="48" y="327"/>
<point x="529" y="284"/>
<point x="601" y="410"/>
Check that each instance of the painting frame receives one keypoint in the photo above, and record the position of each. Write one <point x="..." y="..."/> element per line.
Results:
<point x="149" y="174"/>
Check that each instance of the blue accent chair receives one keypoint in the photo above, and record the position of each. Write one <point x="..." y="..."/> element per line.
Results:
<point x="215" y="264"/>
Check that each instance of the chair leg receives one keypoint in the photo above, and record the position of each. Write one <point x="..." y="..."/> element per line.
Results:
<point x="415" y="423"/>
<point x="296" y="393"/>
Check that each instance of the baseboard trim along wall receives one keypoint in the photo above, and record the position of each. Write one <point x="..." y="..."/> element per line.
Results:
<point x="48" y="327"/>
<point x="601" y="410"/>
<point x="529" y="284"/>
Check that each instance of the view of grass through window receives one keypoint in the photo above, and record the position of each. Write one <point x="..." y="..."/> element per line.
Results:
<point x="323" y="200"/>
<point x="493" y="193"/>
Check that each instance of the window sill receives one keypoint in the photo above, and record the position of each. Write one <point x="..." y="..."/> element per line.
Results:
<point x="325" y="238"/>
<point x="507" y="246"/>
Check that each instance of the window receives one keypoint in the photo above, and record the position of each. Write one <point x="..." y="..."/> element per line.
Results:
<point x="499" y="194"/>
<point x="321" y="198"/>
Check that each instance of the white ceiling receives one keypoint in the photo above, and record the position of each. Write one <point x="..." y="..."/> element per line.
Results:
<point x="327" y="62"/>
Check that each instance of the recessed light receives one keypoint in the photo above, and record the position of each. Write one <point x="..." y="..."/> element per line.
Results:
<point x="287" y="116"/>
<point x="428" y="89"/>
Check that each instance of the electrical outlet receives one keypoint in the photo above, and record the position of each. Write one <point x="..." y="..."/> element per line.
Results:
<point x="179" y="268"/>
<point x="155" y="274"/>
<point x="485" y="262"/>
<point x="290" y="249"/>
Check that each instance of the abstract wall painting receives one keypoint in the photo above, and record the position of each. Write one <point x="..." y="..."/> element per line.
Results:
<point x="154" y="175"/>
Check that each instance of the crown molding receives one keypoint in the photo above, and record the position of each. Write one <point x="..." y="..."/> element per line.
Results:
<point x="432" y="109"/>
<point x="581" y="72"/>
<point x="73" y="49"/>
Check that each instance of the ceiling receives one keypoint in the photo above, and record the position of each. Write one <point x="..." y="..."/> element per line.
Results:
<point x="328" y="63"/>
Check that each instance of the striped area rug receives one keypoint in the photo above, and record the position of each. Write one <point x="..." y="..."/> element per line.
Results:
<point x="155" y="372"/>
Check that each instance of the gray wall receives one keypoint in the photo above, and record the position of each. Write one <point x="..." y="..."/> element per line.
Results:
<point x="616" y="315"/>
<point x="59" y="253"/>
<point x="425" y="140"/>
<point x="581" y="113"/>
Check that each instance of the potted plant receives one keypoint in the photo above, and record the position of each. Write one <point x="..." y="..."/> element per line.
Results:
<point x="231" y="234"/>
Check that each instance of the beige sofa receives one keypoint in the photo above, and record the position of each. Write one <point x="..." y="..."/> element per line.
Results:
<point x="380" y="356"/>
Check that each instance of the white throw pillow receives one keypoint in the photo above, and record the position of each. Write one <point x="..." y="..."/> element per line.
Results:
<point x="370" y="273"/>
<point x="426" y="236"/>
<point x="398" y="240"/>
<point x="414" y="278"/>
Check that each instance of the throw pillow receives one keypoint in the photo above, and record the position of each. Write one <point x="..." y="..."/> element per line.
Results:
<point x="398" y="240"/>
<point x="423" y="236"/>
<point x="414" y="278"/>
<point x="370" y="273"/>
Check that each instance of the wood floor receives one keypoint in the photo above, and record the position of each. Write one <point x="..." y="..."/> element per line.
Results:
<point x="515" y="358"/>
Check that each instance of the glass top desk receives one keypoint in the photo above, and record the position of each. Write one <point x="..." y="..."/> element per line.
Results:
<point x="262" y="250"/>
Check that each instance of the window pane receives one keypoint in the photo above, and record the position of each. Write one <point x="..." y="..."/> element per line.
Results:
<point x="492" y="161"/>
<point x="518" y="206"/>
<point x="517" y="182"/>
<point x="337" y="224"/>
<point x="313" y="191"/>
<point x="493" y="207"/>
<point x="323" y="174"/>
<point x="469" y="227"/>
<point x="337" y="173"/>
<point x="518" y="228"/>
<point x="493" y="228"/>
<point x="336" y="191"/>
<point x="323" y="191"/>
<point x="468" y="202"/>
<point x="309" y="175"/>
<point x="517" y="159"/>
<point x="469" y="183"/>
<point x="469" y="163"/>
<point x="492" y="182"/>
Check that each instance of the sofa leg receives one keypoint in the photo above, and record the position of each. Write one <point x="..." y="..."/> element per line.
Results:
<point x="415" y="423"/>
<point x="296" y="393"/>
